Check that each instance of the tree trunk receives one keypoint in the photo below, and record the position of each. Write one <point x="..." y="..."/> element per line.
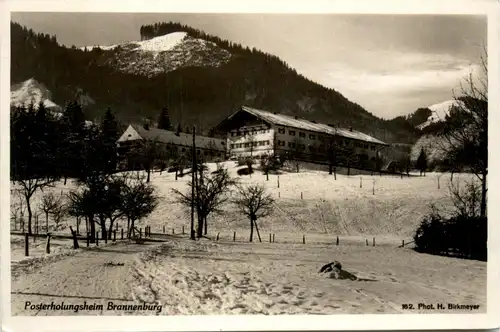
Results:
<point x="483" y="195"/>
<point x="30" y="216"/>
<point x="257" y="229"/>
<point x="65" y="179"/>
<point x="75" y="240"/>
<point x="92" y="229"/>
<point x="128" y="227"/>
<point x="199" y="229"/>
<point x="330" y="169"/>
<point x="335" y="173"/>
<point x="348" y="169"/>
<point x="251" y="229"/>
<point x="47" y="221"/>
<point x="206" y="226"/>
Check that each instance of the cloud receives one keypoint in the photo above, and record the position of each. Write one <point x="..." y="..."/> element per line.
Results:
<point x="396" y="78"/>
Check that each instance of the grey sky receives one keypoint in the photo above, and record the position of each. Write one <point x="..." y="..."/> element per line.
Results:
<point x="389" y="64"/>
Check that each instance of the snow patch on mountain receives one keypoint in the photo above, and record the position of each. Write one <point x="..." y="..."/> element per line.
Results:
<point x="31" y="91"/>
<point x="163" y="54"/>
<point x="162" y="43"/>
<point x="439" y="112"/>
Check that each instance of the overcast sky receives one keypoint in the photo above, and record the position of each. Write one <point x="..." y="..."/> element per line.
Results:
<point x="389" y="64"/>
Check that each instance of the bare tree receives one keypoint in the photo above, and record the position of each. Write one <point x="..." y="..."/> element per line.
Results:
<point x="148" y="153"/>
<point x="255" y="203"/>
<point x="138" y="200"/>
<point x="466" y="128"/>
<point x="49" y="204"/>
<point x="210" y="195"/>
<point x="333" y="150"/>
<point x="28" y="188"/>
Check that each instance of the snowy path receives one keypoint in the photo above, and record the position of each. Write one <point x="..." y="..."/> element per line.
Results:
<point x="85" y="276"/>
<point x="206" y="277"/>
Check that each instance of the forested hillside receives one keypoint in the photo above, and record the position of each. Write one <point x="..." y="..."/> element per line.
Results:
<point x="194" y="95"/>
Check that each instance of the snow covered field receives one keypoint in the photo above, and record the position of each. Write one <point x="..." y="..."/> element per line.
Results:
<point x="226" y="277"/>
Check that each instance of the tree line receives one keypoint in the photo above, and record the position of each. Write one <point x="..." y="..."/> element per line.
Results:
<point x="251" y="77"/>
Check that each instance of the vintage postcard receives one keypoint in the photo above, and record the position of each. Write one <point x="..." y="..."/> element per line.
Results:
<point x="231" y="167"/>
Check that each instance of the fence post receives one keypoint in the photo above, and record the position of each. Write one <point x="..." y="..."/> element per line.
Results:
<point x="173" y="231"/>
<point x="338" y="240"/>
<point x="403" y="244"/>
<point x="234" y="236"/>
<point x="122" y="233"/>
<point x="367" y="242"/>
<point x="217" y="236"/>
<point x="278" y="181"/>
<point x="26" y="245"/>
<point x="360" y="182"/>
<point x="303" y="239"/>
<point x="374" y="242"/>
<point x="140" y="233"/>
<point x="279" y="194"/>
<point x="47" y="248"/>
<point x="301" y="195"/>
<point x="182" y="230"/>
<point x="269" y="237"/>
<point x="273" y="237"/>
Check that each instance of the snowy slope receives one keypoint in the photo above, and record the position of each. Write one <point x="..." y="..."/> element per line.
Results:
<point x="162" y="54"/>
<point x="439" y="112"/>
<point x="31" y="91"/>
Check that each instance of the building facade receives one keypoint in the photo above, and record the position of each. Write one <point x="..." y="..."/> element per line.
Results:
<point x="178" y="144"/>
<point x="252" y="132"/>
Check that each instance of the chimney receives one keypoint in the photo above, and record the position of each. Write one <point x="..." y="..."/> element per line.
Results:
<point x="146" y="126"/>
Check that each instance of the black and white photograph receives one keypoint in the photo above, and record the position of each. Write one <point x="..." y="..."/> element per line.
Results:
<point x="282" y="164"/>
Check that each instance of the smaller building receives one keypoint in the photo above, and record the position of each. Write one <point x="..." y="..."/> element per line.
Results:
<point x="178" y="144"/>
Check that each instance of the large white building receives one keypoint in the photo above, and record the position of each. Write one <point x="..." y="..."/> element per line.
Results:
<point x="253" y="132"/>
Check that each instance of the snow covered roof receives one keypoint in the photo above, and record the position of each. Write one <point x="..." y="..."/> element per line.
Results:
<point x="135" y="132"/>
<point x="288" y="121"/>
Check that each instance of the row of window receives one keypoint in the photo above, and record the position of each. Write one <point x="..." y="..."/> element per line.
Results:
<point x="321" y="147"/>
<point x="248" y="144"/>
<point x="250" y="132"/>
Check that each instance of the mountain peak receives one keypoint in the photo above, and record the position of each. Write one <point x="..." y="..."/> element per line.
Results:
<point x="439" y="112"/>
<point x="22" y="94"/>
<point x="161" y="54"/>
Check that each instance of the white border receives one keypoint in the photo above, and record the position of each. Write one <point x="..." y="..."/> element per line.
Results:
<point x="236" y="323"/>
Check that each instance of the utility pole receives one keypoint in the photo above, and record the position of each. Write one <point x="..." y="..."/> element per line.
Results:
<point x="193" y="182"/>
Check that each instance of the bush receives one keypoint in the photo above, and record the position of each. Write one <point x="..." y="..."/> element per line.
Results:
<point x="461" y="235"/>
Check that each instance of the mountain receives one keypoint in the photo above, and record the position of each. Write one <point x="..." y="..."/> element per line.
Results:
<point x="200" y="78"/>
<point x="162" y="54"/>
<point x="31" y="91"/>
<point x="439" y="112"/>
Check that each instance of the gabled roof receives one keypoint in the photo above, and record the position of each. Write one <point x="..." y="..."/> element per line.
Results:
<point x="288" y="121"/>
<point x="170" y="137"/>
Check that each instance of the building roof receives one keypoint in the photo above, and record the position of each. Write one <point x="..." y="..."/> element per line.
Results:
<point x="289" y="121"/>
<point x="170" y="137"/>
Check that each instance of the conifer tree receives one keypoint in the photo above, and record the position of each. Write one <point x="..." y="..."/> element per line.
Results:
<point x="164" y="120"/>
<point x="109" y="136"/>
<point x="422" y="162"/>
